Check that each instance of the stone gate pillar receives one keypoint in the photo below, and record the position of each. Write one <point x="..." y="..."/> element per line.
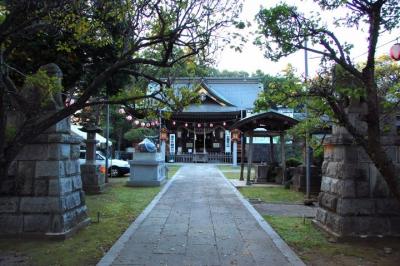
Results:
<point x="355" y="200"/>
<point x="43" y="195"/>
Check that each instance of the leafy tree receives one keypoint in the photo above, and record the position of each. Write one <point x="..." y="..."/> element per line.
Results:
<point x="284" y="30"/>
<point x="138" y="134"/>
<point x="104" y="48"/>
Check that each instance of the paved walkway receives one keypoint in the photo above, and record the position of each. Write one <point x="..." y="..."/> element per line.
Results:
<point x="290" y="210"/>
<point x="200" y="219"/>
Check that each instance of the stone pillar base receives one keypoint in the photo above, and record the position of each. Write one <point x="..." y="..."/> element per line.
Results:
<point x="40" y="235"/>
<point x="358" y="228"/>
<point x="42" y="195"/>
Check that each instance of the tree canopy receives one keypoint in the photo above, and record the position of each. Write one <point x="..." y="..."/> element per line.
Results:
<point x="284" y="30"/>
<point x="103" y="48"/>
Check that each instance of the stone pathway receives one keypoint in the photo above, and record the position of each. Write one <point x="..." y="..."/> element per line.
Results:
<point x="200" y="219"/>
<point x="290" y="210"/>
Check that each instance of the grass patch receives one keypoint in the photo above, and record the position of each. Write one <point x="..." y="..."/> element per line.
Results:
<point x="272" y="194"/>
<point x="224" y="167"/>
<point x="172" y="169"/>
<point x="309" y="242"/>
<point x="232" y="175"/>
<point x="233" y="172"/>
<point x="118" y="207"/>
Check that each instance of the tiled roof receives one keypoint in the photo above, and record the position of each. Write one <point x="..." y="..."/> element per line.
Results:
<point x="239" y="92"/>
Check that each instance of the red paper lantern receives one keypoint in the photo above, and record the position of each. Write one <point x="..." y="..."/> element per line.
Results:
<point x="395" y="51"/>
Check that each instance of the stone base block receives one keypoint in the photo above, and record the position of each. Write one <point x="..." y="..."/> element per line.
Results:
<point x="147" y="169"/>
<point x="68" y="233"/>
<point x="94" y="189"/>
<point x="51" y="236"/>
<point x="356" y="227"/>
<point x="93" y="179"/>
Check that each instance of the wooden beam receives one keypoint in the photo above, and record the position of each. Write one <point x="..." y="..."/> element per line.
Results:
<point x="271" y="149"/>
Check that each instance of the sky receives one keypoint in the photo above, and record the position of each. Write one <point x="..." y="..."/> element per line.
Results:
<point x="252" y="57"/>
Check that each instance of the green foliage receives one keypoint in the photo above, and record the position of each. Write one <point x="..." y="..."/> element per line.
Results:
<point x="138" y="134"/>
<point x="3" y="12"/>
<point x="388" y="82"/>
<point x="288" y="91"/>
<point x="278" y="24"/>
<point x="296" y="233"/>
<point x="346" y="85"/>
<point x="45" y="85"/>
<point x="293" y="162"/>
<point x="10" y="133"/>
<point x="281" y="91"/>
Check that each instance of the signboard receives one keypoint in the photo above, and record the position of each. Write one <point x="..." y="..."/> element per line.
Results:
<point x="227" y="141"/>
<point x="172" y="143"/>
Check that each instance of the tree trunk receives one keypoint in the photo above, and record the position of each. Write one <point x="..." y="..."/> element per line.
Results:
<point x="374" y="148"/>
<point x="3" y="123"/>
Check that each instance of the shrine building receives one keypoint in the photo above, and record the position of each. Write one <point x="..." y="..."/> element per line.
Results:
<point x="200" y="133"/>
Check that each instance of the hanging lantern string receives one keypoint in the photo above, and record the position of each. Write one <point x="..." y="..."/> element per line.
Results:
<point x="200" y="131"/>
<point x="189" y="123"/>
<point x="380" y="46"/>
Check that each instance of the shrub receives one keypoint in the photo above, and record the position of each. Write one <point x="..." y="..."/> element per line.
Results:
<point x="293" y="162"/>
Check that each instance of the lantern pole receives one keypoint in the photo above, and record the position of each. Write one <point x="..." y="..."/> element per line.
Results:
<point x="308" y="161"/>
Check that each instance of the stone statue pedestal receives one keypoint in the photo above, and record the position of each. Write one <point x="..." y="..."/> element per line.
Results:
<point x="147" y="170"/>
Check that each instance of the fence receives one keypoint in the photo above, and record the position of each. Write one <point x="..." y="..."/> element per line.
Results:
<point x="212" y="157"/>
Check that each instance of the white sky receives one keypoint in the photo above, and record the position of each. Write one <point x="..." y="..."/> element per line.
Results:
<point x="252" y="57"/>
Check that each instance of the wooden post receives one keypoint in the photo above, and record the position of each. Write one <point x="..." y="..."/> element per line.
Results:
<point x="250" y="158"/>
<point x="234" y="153"/>
<point x="194" y="140"/>
<point x="271" y="149"/>
<point x="242" y="154"/>
<point x="283" y="157"/>
<point x="204" y="140"/>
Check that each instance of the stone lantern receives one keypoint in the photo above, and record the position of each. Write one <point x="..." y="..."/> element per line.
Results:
<point x="163" y="139"/>
<point x="93" y="174"/>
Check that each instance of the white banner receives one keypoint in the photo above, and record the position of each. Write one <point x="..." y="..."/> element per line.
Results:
<point x="227" y="141"/>
<point x="172" y="143"/>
